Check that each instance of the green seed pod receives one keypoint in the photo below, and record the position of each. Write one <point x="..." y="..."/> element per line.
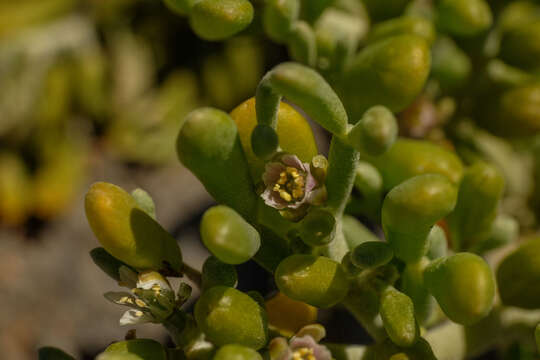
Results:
<point x="220" y="19"/>
<point x="318" y="227"/>
<point x="355" y="232"/>
<point x="375" y="133"/>
<point x="279" y="17"/>
<point x="236" y="352"/>
<point x="137" y="349"/>
<point x="403" y="25"/>
<point x="412" y="284"/>
<point x="411" y="209"/>
<point x="391" y="72"/>
<point x="464" y="17"/>
<point x="217" y="273"/>
<point x="106" y="262"/>
<point x="209" y="146"/>
<point x="228" y="236"/>
<point x="228" y="316"/>
<point x="51" y="353"/>
<point x="181" y="7"/>
<point x="127" y="232"/>
<point x="397" y="313"/>
<point x="316" y="280"/>
<point x="438" y="244"/>
<point x="479" y="194"/>
<point x="372" y="254"/>
<point x="463" y="285"/>
<point x="520" y="45"/>
<point x="450" y="65"/>
<point x="381" y="10"/>
<point x="518" y="274"/>
<point x="408" y="158"/>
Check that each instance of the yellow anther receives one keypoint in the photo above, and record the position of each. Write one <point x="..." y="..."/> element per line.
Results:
<point x="277" y="187"/>
<point x="140" y="303"/>
<point x="298" y="193"/>
<point x="285" y="195"/>
<point x="138" y="313"/>
<point x="156" y="287"/>
<point x="304" y="353"/>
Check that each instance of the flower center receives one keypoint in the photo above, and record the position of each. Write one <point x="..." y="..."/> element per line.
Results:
<point x="304" y="353"/>
<point x="290" y="185"/>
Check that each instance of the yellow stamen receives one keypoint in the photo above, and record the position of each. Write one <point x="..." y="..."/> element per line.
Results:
<point x="140" y="303"/>
<point x="290" y="185"/>
<point x="304" y="353"/>
<point x="285" y="195"/>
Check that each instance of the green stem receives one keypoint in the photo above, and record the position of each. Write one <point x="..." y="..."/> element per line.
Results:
<point x="175" y="325"/>
<point x="342" y="163"/>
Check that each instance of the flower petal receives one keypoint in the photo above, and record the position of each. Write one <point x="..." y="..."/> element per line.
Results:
<point x="121" y="298"/>
<point x="293" y="160"/>
<point x="271" y="173"/>
<point x="272" y="198"/>
<point x="132" y="317"/>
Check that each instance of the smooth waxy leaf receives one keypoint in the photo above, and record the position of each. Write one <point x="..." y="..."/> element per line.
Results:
<point x="411" y="209"/>
<point x="403" y="25"/>
<point x="293" y="130"/>
<point x="390" y="72"/>
<point x="463" y="285"/>
<point x="316" y="280"/>
<point x="408" y="158"/>
<point x="106" y="262"/>
<point x="318" y="228"/>
<point x="279" y="17"/>
<point x="127" y="232"/>
<point x="479" y="194"/>
<point x="236" y="352"/>
<point x="518" y="274"/>
<point x="228" y="316"/>
<point x="375" y="133"/>
<point x="220" y="19"/>
<point x="209" y="146"/>
<point x="372" y="254"/>
<point x="228" y="236"/>
<point x="464" y="17"/>
<point x="138" y="349"/>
